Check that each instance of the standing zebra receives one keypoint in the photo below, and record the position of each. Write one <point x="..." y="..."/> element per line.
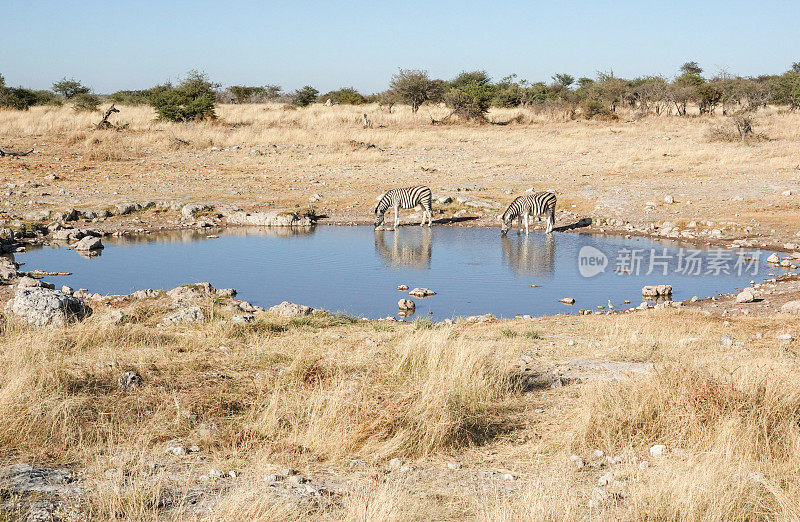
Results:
<point x="531" y="205"/>
<point x="410" y="197"/>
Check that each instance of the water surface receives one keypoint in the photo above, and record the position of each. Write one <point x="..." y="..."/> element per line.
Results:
<point x="356" y="270"/>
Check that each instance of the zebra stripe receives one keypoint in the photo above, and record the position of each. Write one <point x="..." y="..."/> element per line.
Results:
<point x="406" y="198"/>
<point x="531" y="205"/>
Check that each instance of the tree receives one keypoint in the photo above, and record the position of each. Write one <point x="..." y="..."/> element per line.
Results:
<point x="414" y="87"/>
<point x="193" y="99"/>
<point x="691" y="68"/>
<point x="69" y="88"/>
<point x="470" y="95"/>
<point x="305" y="96"/>
<point x="388" y="99"/>
<point x="563" y="79"/>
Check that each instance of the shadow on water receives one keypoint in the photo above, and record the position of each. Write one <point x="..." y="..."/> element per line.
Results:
<point x="532" y="255"/>
<point x="405" y="247"/>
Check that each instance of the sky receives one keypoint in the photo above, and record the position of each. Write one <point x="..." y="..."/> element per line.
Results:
<point x="116" y="45"/>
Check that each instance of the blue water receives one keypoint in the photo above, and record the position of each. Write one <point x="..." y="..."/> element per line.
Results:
<point x="356" y="270"/>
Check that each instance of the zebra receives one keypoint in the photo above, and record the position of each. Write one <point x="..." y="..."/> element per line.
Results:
<point x="531" y="205"/>
<point x="410" y="197"/>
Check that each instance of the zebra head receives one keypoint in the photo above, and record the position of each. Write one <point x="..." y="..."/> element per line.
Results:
<point x="505" y="224"/>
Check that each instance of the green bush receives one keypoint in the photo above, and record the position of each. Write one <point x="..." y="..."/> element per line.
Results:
<point x="85" y="102"/>
<point x="346" y="96"/>
<point x="470" y="101"/>
<point x="305" y="96"/>
<point x="192" y="100"/>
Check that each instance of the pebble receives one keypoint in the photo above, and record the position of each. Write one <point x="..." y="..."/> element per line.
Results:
<point x="726" y="341"/>
<point x="454" y="465"/>
<point x="395" y="463"/>
<point x="605" y="480"/>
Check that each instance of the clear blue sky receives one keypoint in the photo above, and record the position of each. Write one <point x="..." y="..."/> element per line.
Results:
<point x="112" y="45"/>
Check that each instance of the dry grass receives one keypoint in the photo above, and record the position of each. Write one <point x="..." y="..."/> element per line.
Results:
<point x="291" y="393"/>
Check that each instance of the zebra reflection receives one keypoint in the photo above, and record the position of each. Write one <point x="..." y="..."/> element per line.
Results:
<point x="407" y="247"/>
<point x="534" y="255"/>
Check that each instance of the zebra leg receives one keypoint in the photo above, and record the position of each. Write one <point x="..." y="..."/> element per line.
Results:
<point x="396" y="217"/>
<point x="551" y="219"/>
<point x="527" y="230"/>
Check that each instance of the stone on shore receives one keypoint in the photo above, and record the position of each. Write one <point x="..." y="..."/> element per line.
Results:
<point x="192" y="314"/>
<point x="274" y="218"/>
<point x="287" y="309"/>
<point x="792" y="307"/>
<point x="746" y="296"/>
<point x="47" y="307"/>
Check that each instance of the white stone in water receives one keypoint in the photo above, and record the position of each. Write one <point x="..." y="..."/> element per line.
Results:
<point x="774" y="258"/>
<point x="567" y="300"/>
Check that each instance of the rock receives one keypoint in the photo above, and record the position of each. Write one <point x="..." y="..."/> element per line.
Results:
<point x="402" y="288"/>
<point x="89" y="243"/>
<point x="422" y="292"/>
<point x="643" y="465"/>
<point x="288" y="472"/>
<point x="657" y="450"/>
<point x="188" y="211"/>
<point x="122" y="209"/>
<point x="24" y="479"/>
<point x="577" y="461"/>
<point x="726" y="341"/>
<point x="226" y="292"/>
<point x="287" y="309"/>
<point x="605" y="479"/>
<point x="792" y="307"/>
<point x="215" y="473"/>
<point x="444" y="200"/>
<point x="406" y="304"/>
<point x="656" y="290"/>
<point x="298" y="480"/>
<point x="669" y="199"/>
<point x="129" y="380"/>
<point x="746" y="296"/>
<point x="187" y="293"/>
<point x="567" y="300"/>
<point x="144" y="294"/>
<point x="46" y="307"/>
<point x="192" y="314"/>
<point x="67" y="234"/>
<point x="508" y="477"/>
<point x="30" y="282"/>
<point x="786" y="193"/>
<point x="243" y="318"/>
<point x="175" y="447"/>
<point x="395" y="463"/>
<point x="454" y="465"/>
<point x="598" y="454"/>
<point x="114" y="317"/>
<point x="275" y="218"/>
<point x="67" y="289"/>
<point x="774" y="259"/>
<point x="785" y="339"/>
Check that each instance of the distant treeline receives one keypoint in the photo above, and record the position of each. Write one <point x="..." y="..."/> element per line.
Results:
<point x="469" y="95"/>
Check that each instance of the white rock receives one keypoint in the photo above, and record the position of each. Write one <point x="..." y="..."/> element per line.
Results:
<point x="669" y="199"/>
<point x="89" y="243"/>
<point x="746" y="296"/>
<point x="287" y="309"/>
<point x="46" y="307"/>
<point x="657" y="450"/>
<point x="577" y="461"/>
<point x="792" y="307"/>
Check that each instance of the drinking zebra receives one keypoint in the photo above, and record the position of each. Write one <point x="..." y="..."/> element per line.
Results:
<point x="410" y="197"/>
<point x="531" y="205"/>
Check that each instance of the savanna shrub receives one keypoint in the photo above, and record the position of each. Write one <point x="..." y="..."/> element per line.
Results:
<point x="192" y="100"/>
